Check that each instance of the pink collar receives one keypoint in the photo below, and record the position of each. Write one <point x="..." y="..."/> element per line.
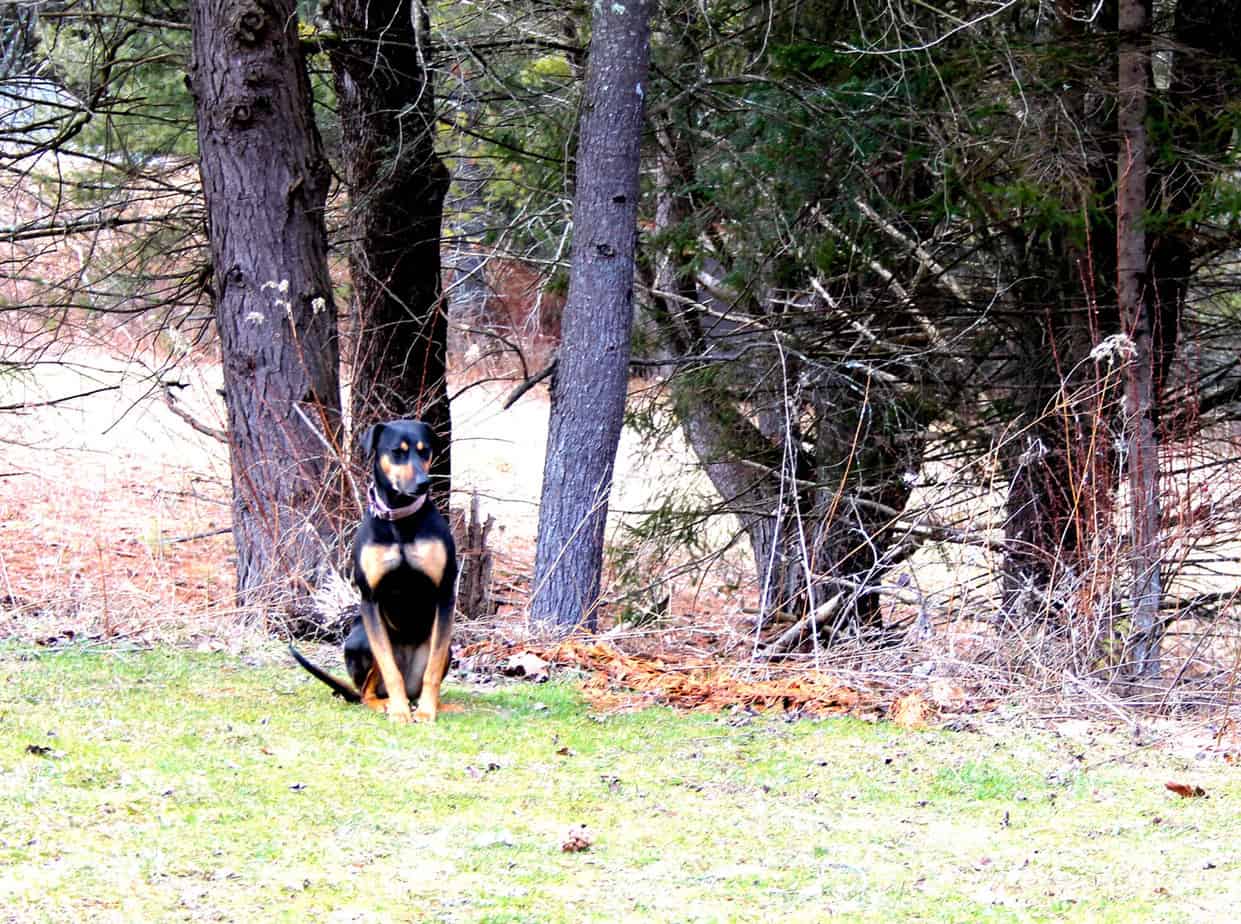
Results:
<point x="382" y="511"/>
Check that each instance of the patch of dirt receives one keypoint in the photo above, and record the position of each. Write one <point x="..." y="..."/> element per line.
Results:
<point x="114" y="512"/>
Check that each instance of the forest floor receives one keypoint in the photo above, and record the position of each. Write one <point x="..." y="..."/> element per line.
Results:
<point x="114" y="518"/>
<point x="114" y="513"/>
<point x="114" y="526"/>
<point x="164" y="784"/>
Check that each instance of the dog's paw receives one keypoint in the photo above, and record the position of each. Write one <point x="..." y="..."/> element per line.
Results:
<point x="428" y="706"/>
<point x="399" y="713"/>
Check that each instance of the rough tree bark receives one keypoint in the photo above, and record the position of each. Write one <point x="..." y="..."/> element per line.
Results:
<point x="589" y="388"/>
<point x="1135" y="308"/>
<point x="265" y="179"/>
<point x="397" y="183"/>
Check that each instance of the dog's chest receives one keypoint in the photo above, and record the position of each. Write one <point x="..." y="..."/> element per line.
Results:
<point x="386" y="563"/>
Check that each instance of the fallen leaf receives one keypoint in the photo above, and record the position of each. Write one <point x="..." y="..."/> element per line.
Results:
<point x="477" y="773"/>
<point x="1185" y="790"/>
<point x="577" y="839"/>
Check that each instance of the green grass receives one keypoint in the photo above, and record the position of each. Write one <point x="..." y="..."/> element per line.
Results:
<point x="194" y="787"/>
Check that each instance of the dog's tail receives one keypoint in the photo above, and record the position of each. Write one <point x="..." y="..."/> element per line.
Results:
<point x="340" y="688"/>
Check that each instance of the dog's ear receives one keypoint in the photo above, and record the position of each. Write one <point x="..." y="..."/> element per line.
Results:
<point x="370" y="438"/>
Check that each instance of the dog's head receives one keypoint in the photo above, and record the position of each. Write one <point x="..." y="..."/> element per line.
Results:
<point x="402" y="451"/>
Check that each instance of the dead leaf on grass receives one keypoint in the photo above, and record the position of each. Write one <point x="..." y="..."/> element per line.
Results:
<point x="911" y="711"/>
<point x="577" y="839"/>
<point x="526" y="665"/>
<point x="1185" y="790"/>
<point x="477" y="773"/>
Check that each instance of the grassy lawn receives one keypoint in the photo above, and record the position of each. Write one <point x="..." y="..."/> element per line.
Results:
<point x="166" y="785"/>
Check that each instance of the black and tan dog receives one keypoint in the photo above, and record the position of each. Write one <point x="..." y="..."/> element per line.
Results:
<point x="405" y="566"/>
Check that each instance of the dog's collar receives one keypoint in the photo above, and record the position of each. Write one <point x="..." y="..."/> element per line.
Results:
<point x="382" y="511"/>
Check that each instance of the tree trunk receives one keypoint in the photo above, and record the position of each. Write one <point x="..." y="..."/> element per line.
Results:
<point x="808" y="544"/>
<point x="1198" y="129"/>
<point x="397" y="183"/>
<point x="590" y="385"/>
<point x="265" y="179"/>
<point x="1135" y="309"/>
<point x="1059" y="465"/>
<point x="1058" y="461"/>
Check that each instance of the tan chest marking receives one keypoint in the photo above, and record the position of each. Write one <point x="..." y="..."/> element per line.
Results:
<point x="378" y="560"/>
<point x="428" y="556"/>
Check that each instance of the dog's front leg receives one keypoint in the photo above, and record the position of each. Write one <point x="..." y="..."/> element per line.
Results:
<point x="385" y="660"/>
<point x="437" y="664"/>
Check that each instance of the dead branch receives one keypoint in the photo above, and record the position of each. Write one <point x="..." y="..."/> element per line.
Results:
<point x="27" y="405"/>
<point x="528" y="384"/>
<point x="792" y="636"/>
<point x="209" y="533"/>
<point x="189" y="418"/>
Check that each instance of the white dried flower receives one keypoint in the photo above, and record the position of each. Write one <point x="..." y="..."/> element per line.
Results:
<point x="1117" y="346"/>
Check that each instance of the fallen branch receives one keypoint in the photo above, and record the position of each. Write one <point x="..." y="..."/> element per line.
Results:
<point x="791" y="637"/>
<point x="209" y="533"/>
